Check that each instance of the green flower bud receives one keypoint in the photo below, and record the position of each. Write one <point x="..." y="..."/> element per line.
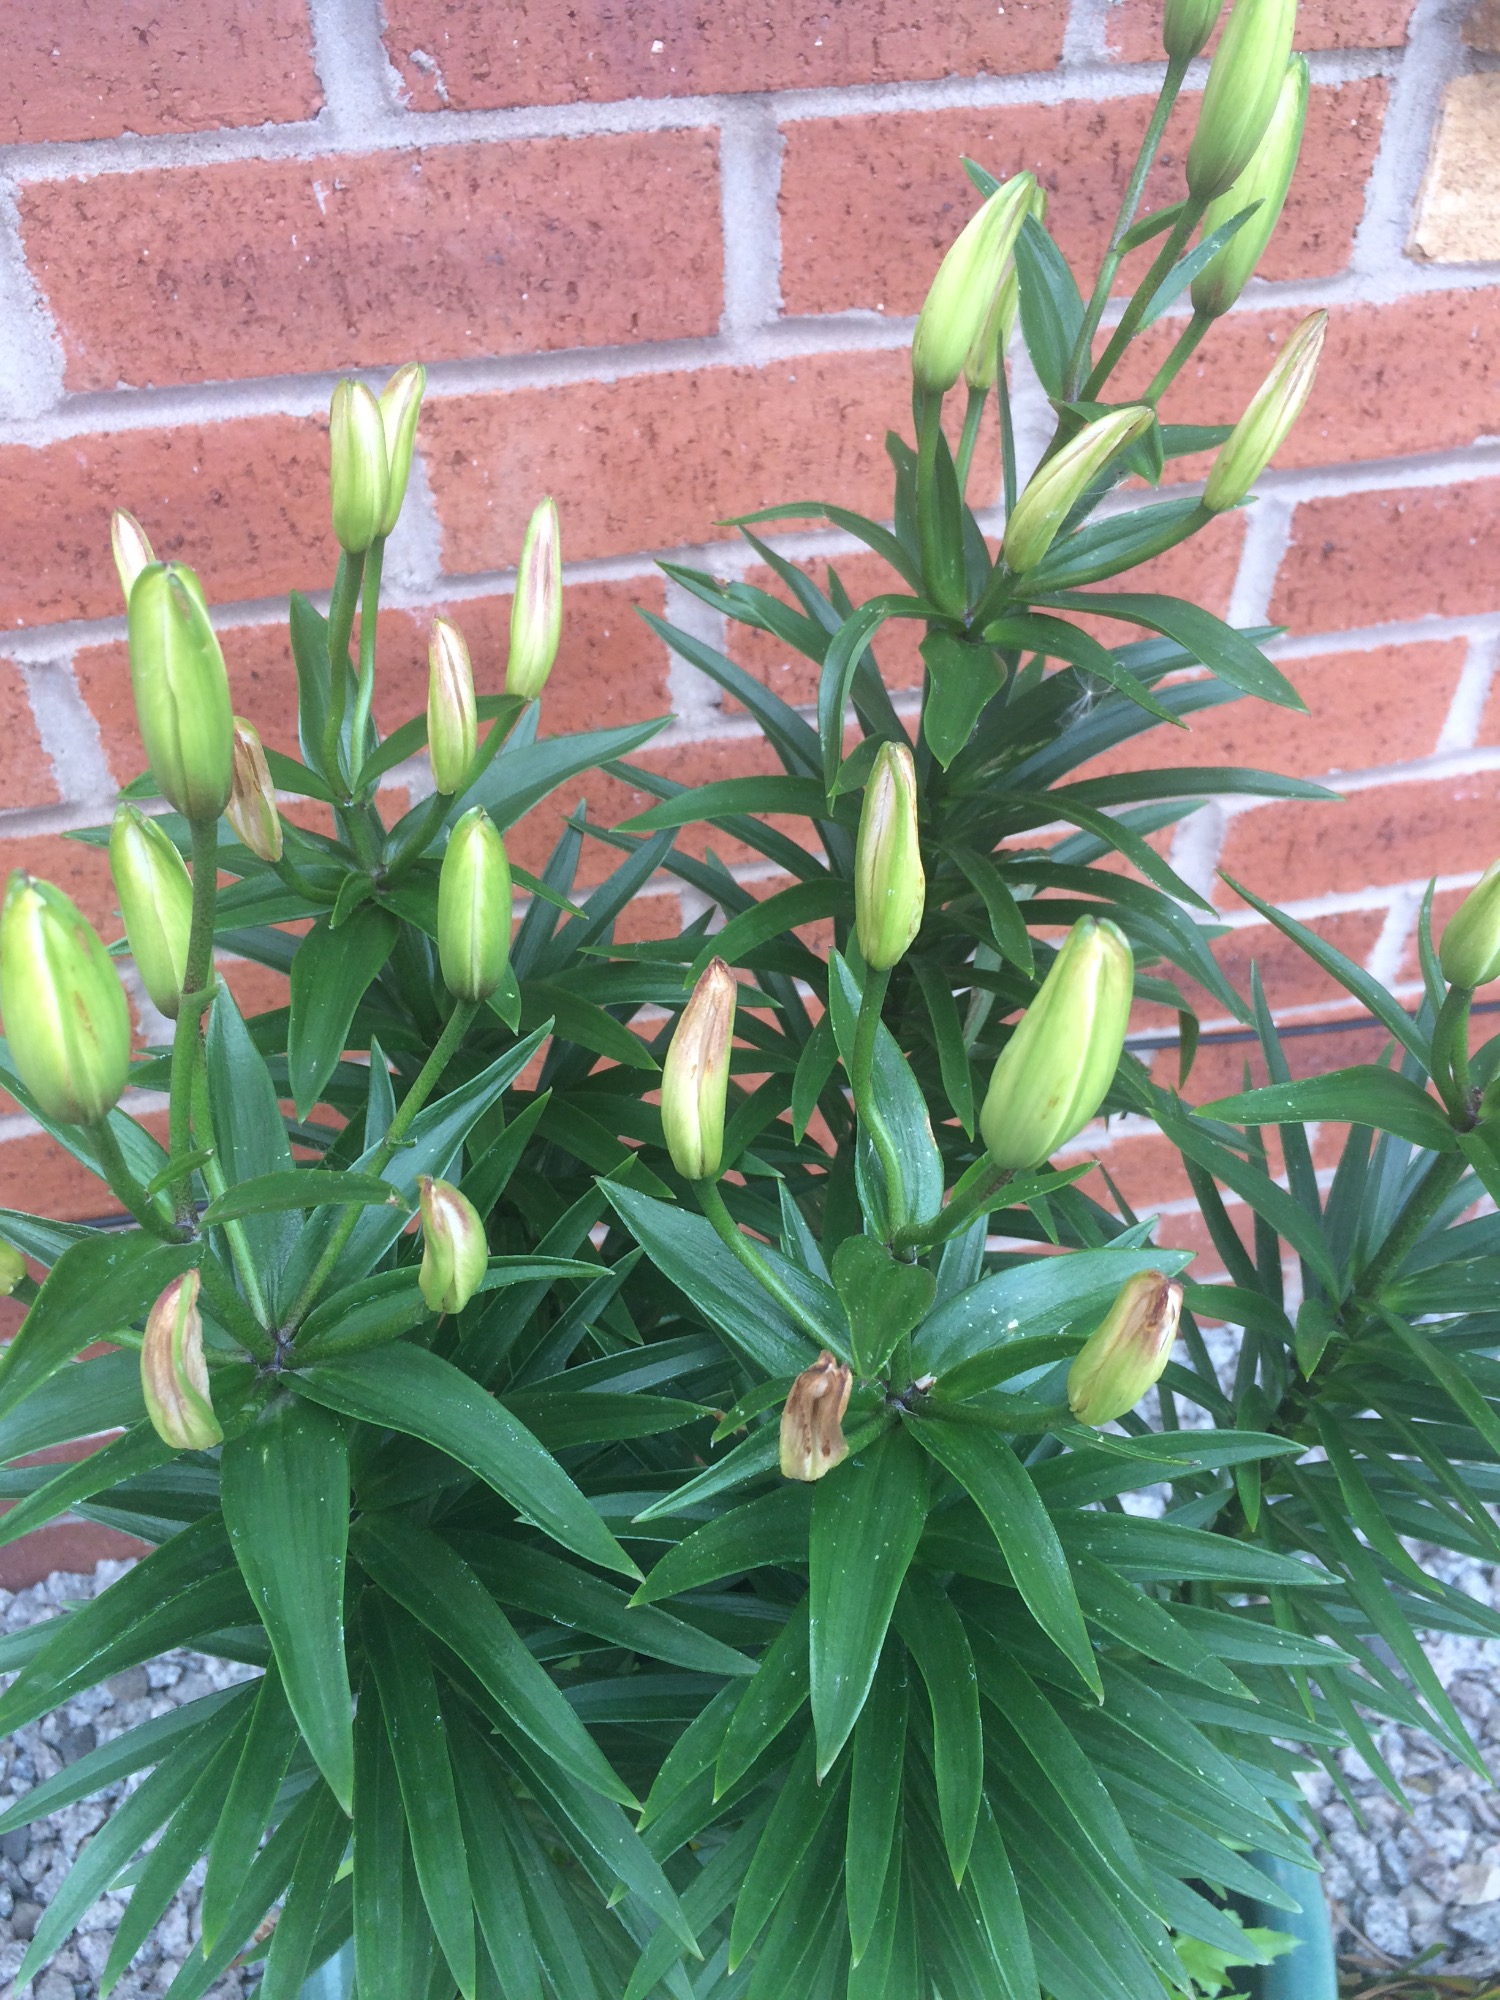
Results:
<point x="174" y="1375"/>
<point x="181" y="690"/>
<point x="1054" y="1072"/>
<point x="132" y="552"/>
<point x="359" y="481"/>
<point x="1244" y="82"/>
<point x="1265" y="180"/>
<point x="400" y="406"/>
<point x="474" y="908"/>
<point x="536" y="609"/>
<point x="1272" y="410"/>
<point x="890" y="889"/>
<point x="452" y="719"/>
<point x="695" y="1076"/>
<point x="156" y="901"/>
<point x="65" y="1014"/>
<point x="1470" y="951"/>
<point x="1055" y="488"/>
<point x="252" y="810"/>
<point x="1127" y="1351"/>
<point x="1187" y="26"/>
<point x="982" y="362"/>
<point x="12" y="1269"/>
<point x="455" y="1254"/>
<point x="812" y="1437"/>
<point x="959" y="301"/>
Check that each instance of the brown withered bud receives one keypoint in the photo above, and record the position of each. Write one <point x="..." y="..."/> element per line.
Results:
<point x="812" y="1441"/>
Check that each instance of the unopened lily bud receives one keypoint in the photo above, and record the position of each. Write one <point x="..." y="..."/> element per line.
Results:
<point x="961" y="295"/>
<point x="66" y="1020"/>
<point x="156" y="901"/>
<point x="455" y="1254"/>
<point x="890" y="888"/>
<point x="1055" y="488"/>
<point x="252" y="810"/>
<point x="474" y="908"/>
<point x="982" y="362"/>
<point x="1127" y="1351"/>
<point x="1266" y="181"/>
<point x="174" y="1375"/>
<point x="812" y="1438"/>
<point x="12" y="1269"/>
<point x="358" y="475"/>
<point x="536" y="610"/>
<point x="1470" y="950"/>
<point x="1244" y="82"/>
<point x="181" y="691"/>
<point x="1187" y="25"/>
<point x="1054" y="1072"/>
<point x="695" y="1076"/>
<point x="452" y="718"/>
<point x="132" y="552"/>
<point x="1272" y="410"/>
<point x="400" y="406"/>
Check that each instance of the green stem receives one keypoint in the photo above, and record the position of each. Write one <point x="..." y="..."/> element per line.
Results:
<point x="1144" y="293"/>
<point x="1135" y="187"/>
<point x="862" y="1082"/>
<point x="340" y="624"/>
<point x="713" y="1206"/>
<point x="1008" y="469"/>
<point x="415" y="845"/>
<point x="972" y="413"/>
<point x="197" y="992"/>
<point x="123" y="1184"/>
<point x="978" y="1198"/>
<point x="942" y="567"/>
<point x="1441" y="1178"/>
<point x="426" y="1082"/>
<point x="368" y="612"/>
<point x="1450" y="1054"/>
<point x="1187" y="342"/>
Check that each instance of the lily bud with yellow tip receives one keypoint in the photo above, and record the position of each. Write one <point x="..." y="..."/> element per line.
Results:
<point x="695" y="1076"/>
<point x="130" y="548"/>
<point x="1127" y="1351"/>
<point x="181" y="690"/>
<point x="156" y="901"/>
<point x="455" y="1253"/>
<point x="474" y="900"/>
<point x="1055" y="488"/>
<point x="1244" y="82"/>
<point x="960" y="298"/>
<point x="252" y="810"/>
<point x="400" y="406"/>
<point x="1265" y="180"/>
<point x="359" y="482"/>
<point x="1056" y="1069"/>
<point x="174" y="1375"/>
<point x="890" y="887"/>
<point x="812" y="1437"/>
<point x="452" y="717"/>
<point x="64" y="1008"/>
<point x="1272" y="410"/>
<point x="1470" y="950"/>
<point x="536" y="610"/>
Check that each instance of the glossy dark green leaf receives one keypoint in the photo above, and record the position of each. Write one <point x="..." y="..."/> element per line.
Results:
<point x="249" y="1801"/>
<point x="963" y="677"/>
<point x="1051" y="307"/>
<point x="884" y="1299"/>
<point x="767" y="1704"/>
<point x="248" y="1131"/>
<point x="1218" y="646"/>
<point x="1367" y="1095"/>
<point x="138" y="1450"/>
<point x="304" y="1187"/>
<point x="394" y="1945"/>
<point x="330" y="976"/>
<point x="772" y="1529"/>
<point x="935" y="1638"/>
<point x="800" y="1809"/>
<point x="294" y="1940"/>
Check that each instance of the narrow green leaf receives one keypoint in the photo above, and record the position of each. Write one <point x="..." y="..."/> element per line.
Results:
<point x="249" y="1802"/>
<point x="394" y="1945"/>
<point x="935" y="1638"/>
<point x="800" y="1809"/>
<point x="330" y="976"/>
<point x="302" y="1187"/>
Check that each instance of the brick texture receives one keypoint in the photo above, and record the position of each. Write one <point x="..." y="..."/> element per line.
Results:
<point x="1133" y="27"/>
<point x="1367" y="558"/>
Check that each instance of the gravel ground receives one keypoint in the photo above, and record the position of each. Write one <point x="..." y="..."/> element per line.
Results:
<point x="1397" y="1884"/>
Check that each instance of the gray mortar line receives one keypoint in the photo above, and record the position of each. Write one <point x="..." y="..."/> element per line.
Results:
<point x="1460" y="728"/>
<point x="749" y="184"/>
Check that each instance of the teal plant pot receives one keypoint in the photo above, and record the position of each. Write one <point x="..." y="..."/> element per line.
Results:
<point x="1310" y="1972"/>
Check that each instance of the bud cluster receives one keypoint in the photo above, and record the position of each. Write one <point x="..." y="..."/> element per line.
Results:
<point x="370" y="450"/>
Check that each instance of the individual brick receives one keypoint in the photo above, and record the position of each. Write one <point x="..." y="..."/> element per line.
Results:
<point x="272" y="267"/>
<point x="657" y="461"/>
<point x="1457" y="219"/>
<point x="869" y="204"/>
<point x="80" y="870"/>
<point x="1132" y="28"/>
<point x="449" y="55"/>
<point x="1363" y="559"/>
<point x="64" y="1545"/>
<point x="26" y="777"/>
<point x="245" y="502"/>
<point x="104" y="67"/>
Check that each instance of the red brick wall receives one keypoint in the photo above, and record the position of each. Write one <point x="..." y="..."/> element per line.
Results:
<point x="662" y="261"/>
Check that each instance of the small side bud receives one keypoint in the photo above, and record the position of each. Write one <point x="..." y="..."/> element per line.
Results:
<point x="131" y="550"/>
<point x="12" y="1269"/>
<point x="1054" y="489"/>
<point x="252" y="810"/>
<point x="181" y="690"/>
<point x="536" y="610"/>
<point x="474" y="908"/>
<point x="358" y="475"/>
<point x="400" y="406"/>
<point x="64" y="1008"/>
<point x="1244" y="81"/>
<point x="890" y="888"/>
<point x="452" y="718"/>
<point x="695" y="1076"/>
<point x="1056" y="1069"/>
<point x="156" y="901"/>
<point x="1187" y="25"/>
<point x="1127" y="1351"/>
<point x="1470" y="950"/>
<point x="959" y="300"/>
<point x="1265" y="180"/>
<point x="812" y="1438"/>
<point x="455" y="1253"/>
<point x="1273" y="409"/>
<point x="174" y="1375"/>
